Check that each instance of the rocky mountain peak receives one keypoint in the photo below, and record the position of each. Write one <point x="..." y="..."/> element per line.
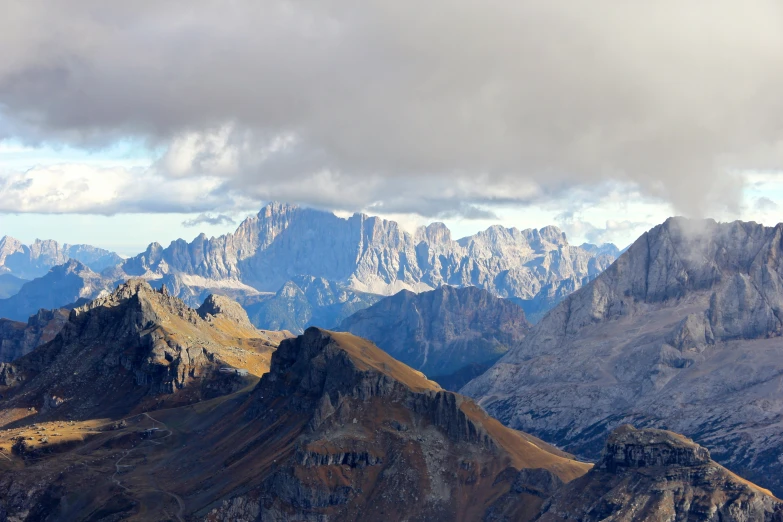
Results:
<point x="435" y="233"/>
<point x="628" y="447"/>
<point x="552" y="234"/>
<point x="276" y="208"/>
<point x="340" y="402"/>
<point x="8" y="246"/>
<point x="124" y="291"/>
<point x="682" y="330"/>
<point x="145" y="304"/>
<point x="222" y="307"/>
<point x="35" y="260"/>
<point x="657" y="476"/>
<point x="330" y="362"/>
<point x="19" y="338"/>
<point x="137" y="343"/>
<point x="63" y="285"/>
<point x="72" y="266"/>
<point x="737" y="265"/>
<point x="683" y="254"/>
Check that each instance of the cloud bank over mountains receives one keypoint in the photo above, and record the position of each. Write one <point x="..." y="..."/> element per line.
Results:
<point x="446" y="109"/>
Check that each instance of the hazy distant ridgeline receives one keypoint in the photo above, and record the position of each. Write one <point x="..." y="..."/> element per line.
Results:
<point x="35" y="260"/>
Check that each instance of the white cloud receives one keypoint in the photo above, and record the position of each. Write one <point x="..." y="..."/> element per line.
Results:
<point x="78" y="188"/>
<point x="209" y="219"/>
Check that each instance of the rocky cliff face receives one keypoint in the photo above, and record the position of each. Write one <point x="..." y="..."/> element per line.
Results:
<point x="63" y="285"/>
<point x="682" y="331"/>
<point x="372" y="255"/>
<point x="35" y="260"/>
<point x="18" y="339"/>
<point x="217" y="307"/>
<point x="133" y="346"/>
<point x="441" y="331"/>
<point x="656" y="475"/>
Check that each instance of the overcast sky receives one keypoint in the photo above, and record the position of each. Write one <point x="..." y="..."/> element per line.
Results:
<point x="127" y="122"/>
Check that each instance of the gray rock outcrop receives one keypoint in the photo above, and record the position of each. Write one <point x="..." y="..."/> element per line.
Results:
<point x="220" y="306"/>
<point x="658" y="476"/>
<point x="628" y="447"/>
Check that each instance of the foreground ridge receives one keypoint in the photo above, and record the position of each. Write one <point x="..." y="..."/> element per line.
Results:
<point x="336" y="430"/>
<point x="130" y="349"/>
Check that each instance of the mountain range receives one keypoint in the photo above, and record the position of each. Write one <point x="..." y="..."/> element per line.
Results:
<point x="35" y="260"/>
<point x="64" y="285"/>
<point x="292" y="267"/>
<point x="682" y="332"/>
<point x="307" y="300"/>
<point x="370" y="254"/>
<point x="138" y="409"/>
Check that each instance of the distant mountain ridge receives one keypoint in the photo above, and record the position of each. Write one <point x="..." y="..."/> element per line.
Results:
<point x="683" y="331"/>
<point x="35" y="260"/>
<point x="294" y="267"/>
<point x="372" y="255"/>
<point x="441" y="331"/>
<point x="62" y="286"/>
<point x="10" y="284"/>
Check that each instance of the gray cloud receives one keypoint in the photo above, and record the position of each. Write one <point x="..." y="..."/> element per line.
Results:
<point x="209" y="219"/>
<point x="764" y="204"/>
<point x="406" y="107"/>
